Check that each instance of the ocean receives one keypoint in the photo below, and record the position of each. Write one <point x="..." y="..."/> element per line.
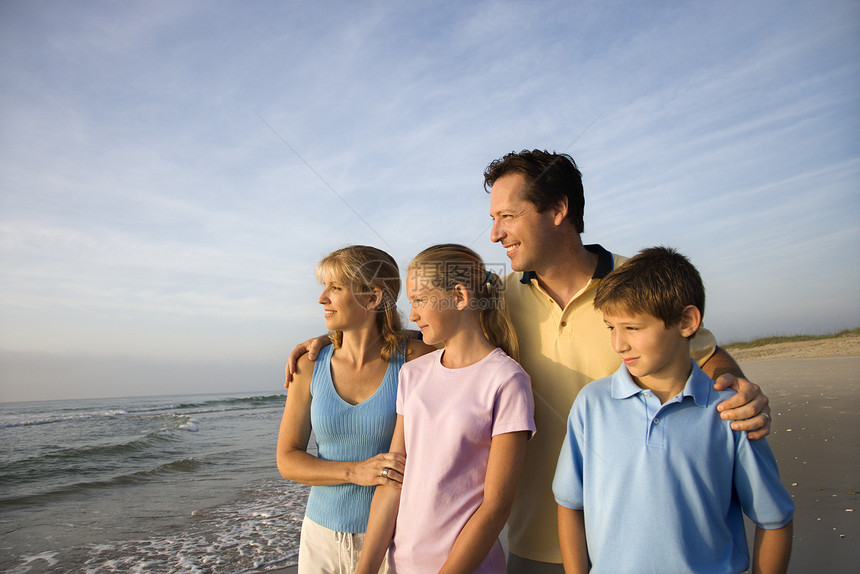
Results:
<point x="148" y="484"/>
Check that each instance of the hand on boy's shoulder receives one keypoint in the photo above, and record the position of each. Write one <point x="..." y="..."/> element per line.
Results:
<point x="720" y="395"/>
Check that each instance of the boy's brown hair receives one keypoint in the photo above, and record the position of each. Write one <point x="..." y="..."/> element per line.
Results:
<point x="658" y="281"/>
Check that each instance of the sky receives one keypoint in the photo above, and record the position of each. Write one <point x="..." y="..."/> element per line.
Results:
<point x="170" y="172"/>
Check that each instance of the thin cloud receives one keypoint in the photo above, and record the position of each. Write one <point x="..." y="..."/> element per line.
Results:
<point x="146" y="209"/>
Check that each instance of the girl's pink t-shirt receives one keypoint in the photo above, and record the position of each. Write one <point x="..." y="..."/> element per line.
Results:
<point x="450" y="417"/>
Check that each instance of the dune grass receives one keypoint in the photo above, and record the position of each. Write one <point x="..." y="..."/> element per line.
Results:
<point x="788" y="339"/>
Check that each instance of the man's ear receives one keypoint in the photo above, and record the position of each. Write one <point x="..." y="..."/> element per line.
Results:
<point x="559" y="211"/>
<point x="461" y="296"/>
<point x="691" y="320"/>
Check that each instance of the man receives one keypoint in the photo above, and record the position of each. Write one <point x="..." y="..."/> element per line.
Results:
<point x="537" y="204"/>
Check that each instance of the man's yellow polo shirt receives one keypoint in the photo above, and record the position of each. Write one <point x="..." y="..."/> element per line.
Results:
<point x="562" y="350"/>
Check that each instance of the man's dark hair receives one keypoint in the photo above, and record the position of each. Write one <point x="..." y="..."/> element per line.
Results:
<point x="549" y="178"/>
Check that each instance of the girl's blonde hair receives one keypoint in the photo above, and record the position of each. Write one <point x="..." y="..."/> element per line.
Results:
<point x="448" y="265"/>
<point x="364" y="269"/>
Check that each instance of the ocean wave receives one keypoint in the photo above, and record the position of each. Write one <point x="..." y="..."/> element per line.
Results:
<point x="201" y="406"/>
<point x="49" y="558"/>
<point x="257" y="533"/>
<point x="190" y="426"/>
<point x="184" y="465"/>
<point x="46" y="419"/>
<point x="241" y="402"/>
<point x="224" y="404"/>
<point x="92" y="458"/>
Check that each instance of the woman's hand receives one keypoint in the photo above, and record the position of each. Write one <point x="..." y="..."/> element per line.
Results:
<point x="384" y="469"/>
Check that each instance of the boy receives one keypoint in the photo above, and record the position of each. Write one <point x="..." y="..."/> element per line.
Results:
<point x="650" y="479"/>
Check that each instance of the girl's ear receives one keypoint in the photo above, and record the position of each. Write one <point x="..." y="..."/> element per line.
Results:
<point x="691" y="320"/>
<point x="461" y="296"/>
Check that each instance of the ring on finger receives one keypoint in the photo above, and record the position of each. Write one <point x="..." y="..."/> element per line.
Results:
<point x="767" y="416"/>
<point x="384" y="472"/>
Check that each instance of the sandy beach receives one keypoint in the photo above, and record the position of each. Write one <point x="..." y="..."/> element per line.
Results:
<point x="814" y="388"/>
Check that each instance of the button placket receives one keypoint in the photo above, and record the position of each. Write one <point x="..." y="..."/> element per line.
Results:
<point x="656" y="432"/>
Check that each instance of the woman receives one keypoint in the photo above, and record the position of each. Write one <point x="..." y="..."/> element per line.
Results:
<point x="348" y="397"/>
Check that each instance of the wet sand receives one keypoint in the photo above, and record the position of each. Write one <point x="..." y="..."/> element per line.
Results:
<point x="815" y="404"/>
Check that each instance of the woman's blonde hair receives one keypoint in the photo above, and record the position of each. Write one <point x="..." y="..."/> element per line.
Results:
<point x="364" y="269"/>
<point x="448" y="265"/>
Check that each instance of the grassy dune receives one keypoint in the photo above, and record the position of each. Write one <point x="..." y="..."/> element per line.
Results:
<point x="774" y="339"/>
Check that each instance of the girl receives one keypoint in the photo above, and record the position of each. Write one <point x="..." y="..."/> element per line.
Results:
<point x="464" y="415"/>
<point x="348" y="397"/>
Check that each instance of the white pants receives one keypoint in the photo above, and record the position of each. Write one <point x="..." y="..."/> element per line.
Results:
<point x="324" y="551"/>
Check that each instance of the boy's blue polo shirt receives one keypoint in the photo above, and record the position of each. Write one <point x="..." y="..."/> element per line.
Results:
<point x="662" y="487"/>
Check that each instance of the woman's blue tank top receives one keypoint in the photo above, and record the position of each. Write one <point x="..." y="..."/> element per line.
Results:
<point x="349" y="432"/>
